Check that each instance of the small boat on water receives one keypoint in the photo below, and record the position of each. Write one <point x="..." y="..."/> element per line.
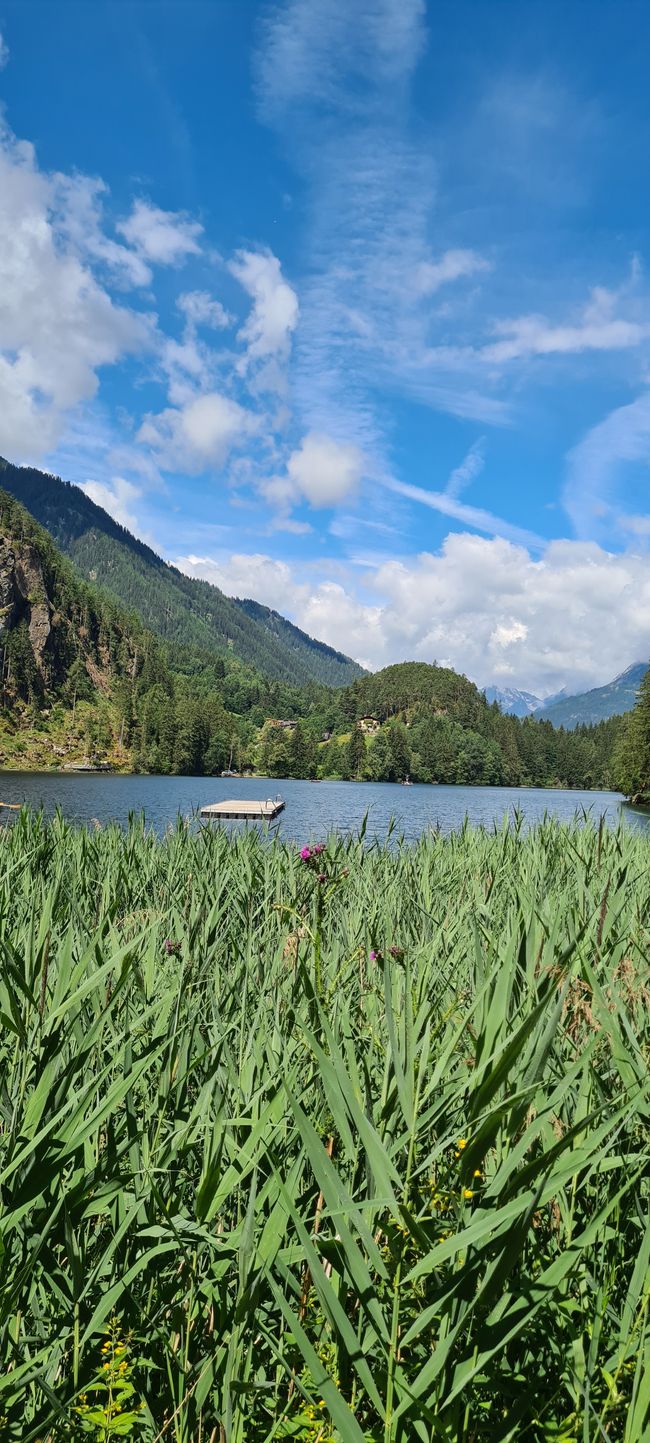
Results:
<point x="407" y="782"/>
<point x="12" y="806"/>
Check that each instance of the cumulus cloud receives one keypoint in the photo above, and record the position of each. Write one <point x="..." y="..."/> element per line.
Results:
<point x="198" y="435"/>
<point x="485" y="607"/>
<point x="79" y="202"/>
<point x="164" y="237"/>
<point x="58" y="325"/>
<point x="117" y="497"/>
<point x="323" y="470"/>
<point x="200" y="309"/>
<point x="274" y="315"/>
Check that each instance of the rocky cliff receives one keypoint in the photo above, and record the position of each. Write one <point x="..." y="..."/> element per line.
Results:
<point x="23" y="597"/>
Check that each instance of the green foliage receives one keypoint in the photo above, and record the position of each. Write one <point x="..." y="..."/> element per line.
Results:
<point x="349" y="1147"/>
<point x="631" y="764"/>
<point x="106" y="1409"/>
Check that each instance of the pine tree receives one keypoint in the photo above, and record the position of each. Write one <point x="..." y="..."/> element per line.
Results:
<point x="631" y="764"/>
<point x="356" y="754"/>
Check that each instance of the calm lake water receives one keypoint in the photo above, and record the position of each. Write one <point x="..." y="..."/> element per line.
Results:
<point x="312" y="809"/>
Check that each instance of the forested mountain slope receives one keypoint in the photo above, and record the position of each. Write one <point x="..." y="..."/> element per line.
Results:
<point x="81" y="679"/>
<point x="430" y="724"/>
<point x="588" y="707"/>
<point x="176" y="607"/>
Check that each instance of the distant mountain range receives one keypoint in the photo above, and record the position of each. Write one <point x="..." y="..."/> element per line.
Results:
<point x="587" y="707"/>
<point x="177" y="608"/>
<point x="569" y="711"/>
<point x="520" y="703"/>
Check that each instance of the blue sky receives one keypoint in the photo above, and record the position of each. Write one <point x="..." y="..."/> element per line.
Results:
<point x="346" y="307"/>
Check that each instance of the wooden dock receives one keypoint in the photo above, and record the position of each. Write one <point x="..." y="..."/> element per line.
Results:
<point x="244" y="811"/>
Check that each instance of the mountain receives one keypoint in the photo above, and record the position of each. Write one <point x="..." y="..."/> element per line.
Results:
<point x="83" y="681"/>
<point x="589" y="707"/>
<point x="432" y="725"/>
<point x="175" y="607"/>
<point x="65" y="651"/>
<point x="512" y="701"/>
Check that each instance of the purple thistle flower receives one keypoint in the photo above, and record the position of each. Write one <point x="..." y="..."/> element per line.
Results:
<point x="316" y="851"/>
<point x="172" y="948"/>
<point x="322" y="876"/>
<point x="305" y="853"/>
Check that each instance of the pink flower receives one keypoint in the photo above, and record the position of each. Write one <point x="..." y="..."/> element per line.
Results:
<point x="316" y="851"/>
<point x="305" y="853"/>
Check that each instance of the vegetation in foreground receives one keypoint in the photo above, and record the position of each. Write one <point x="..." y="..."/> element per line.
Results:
<point x="342" y="1143"/>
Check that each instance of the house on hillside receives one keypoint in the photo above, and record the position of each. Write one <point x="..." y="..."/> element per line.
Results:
<point x="369" y="725"/>
<point x="284" y="726"/>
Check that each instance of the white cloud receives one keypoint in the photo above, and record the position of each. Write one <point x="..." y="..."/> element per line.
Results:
<point x="447" y="504"/>
<point x="57" y="324"/>
<point x="164" y="237"/>
<point x="335" y="80"/>
<point x="323" y="470"/>
<point x="257" y="576"/>
<point x="279" y="491"/>
<point x="116" y="497"/>
<point x="431" y="275"/>
<point x="200" y="309"/>
<point x="274" y="316"/>
<point x="313" y="50"/>
<point x="598" y="328"/>
<point x="596" y="464"/>
<point x="80" y="218"/>
<point x="469" y="469"/>
<point x="4" y="52"/>
<point x="198" y="435"/>
<point x="575" y="617"/>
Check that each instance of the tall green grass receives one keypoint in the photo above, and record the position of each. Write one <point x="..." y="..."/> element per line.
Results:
<point x="351" y="1148"/>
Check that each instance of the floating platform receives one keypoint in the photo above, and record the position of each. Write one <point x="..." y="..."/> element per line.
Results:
<point x="245" y="811"/>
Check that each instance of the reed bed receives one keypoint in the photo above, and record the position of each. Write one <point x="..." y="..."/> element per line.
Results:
<point x="349" y="1146"/>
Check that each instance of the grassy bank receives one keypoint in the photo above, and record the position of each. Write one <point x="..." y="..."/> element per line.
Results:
<point x="352" y="1146"/>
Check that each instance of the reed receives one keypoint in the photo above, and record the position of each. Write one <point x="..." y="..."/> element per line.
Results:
<point x="350" y="1146"/>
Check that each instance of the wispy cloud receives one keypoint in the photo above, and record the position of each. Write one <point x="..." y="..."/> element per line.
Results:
<point x="474" y="516"/>
<point x="596" y="471"/>
<point x="470" y="467"/>
<point x="598" y="328"/>
<point x="335" y="81"/>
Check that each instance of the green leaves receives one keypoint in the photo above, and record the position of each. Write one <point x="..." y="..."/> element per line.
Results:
<point x="406" y="1199"/>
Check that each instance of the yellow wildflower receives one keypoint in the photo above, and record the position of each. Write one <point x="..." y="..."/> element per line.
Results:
<point x="467" y="1192"/>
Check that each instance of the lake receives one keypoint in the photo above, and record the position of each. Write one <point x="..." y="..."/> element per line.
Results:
<point x="312" y="809"/>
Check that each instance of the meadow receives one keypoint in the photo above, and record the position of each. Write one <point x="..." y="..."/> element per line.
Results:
<point x="347" y="1144"/>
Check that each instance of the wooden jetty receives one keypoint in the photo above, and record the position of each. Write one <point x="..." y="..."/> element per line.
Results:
<point x="245" y="811"/>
